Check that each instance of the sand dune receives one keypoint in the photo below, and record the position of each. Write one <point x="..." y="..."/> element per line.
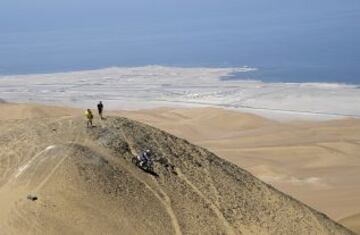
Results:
<point x="352" y="222"/>
<point x="10" y="111"/>
<point x="84" y="180"/>
<point x="316" y="162"/>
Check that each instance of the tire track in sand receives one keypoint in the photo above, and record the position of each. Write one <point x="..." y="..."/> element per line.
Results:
<point x="161" y="195"/>
<point x="53" y="170"/>
<point x="66" y="154"/>
<point x="228" y="228"/>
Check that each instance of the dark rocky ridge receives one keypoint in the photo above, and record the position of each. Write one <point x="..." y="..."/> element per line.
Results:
<point x="221" y="189"/>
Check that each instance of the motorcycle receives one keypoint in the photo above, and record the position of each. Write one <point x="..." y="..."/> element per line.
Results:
<point x="144" y="165"/>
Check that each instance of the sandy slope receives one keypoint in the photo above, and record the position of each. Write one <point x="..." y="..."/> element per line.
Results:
<point x="352" y="222"/>
<point x="317" y="162"/>
<point x="85" y="183"/>
<point x="10" y="111"/>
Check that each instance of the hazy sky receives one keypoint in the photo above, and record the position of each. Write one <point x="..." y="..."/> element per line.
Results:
<point x="55" y="35"/>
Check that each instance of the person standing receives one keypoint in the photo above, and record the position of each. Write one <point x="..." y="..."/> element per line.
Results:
<point x="89" y="116"/>
<point x="100" y="107"/>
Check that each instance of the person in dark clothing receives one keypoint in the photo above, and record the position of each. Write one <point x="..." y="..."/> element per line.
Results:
<point x="100" y="107"/>
<point x="145" y="157"/>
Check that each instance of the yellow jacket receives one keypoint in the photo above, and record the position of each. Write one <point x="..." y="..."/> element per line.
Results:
<point x="88" y="115"/>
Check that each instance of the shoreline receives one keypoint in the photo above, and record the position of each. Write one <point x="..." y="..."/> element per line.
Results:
<point x="157" y="86"/>
<point x="228" y="77"/>
<point x="243" y="69"/>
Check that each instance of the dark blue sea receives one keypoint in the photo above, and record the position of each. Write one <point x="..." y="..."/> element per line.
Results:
<point x="302" y="41"/>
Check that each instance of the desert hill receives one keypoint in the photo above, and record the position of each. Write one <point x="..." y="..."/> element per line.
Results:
<point x="352" y="222"/>
<point x="11" y="111"/>
<point x="316" y="162"/>
<point x="58" y="177"/>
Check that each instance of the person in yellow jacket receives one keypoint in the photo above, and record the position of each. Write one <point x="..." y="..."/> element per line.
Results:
<point x="89" y="116"/>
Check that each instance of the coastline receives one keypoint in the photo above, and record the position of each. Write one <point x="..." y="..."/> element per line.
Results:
<point x="136" y="88"/>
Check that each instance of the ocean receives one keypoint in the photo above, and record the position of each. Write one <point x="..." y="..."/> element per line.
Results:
<point x="305" y="41"/>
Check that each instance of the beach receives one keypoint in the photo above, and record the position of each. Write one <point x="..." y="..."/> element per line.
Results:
<point x="158" y="86"/>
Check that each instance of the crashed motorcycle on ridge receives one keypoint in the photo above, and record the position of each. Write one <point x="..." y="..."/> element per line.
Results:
<point x="145" y="164"/>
